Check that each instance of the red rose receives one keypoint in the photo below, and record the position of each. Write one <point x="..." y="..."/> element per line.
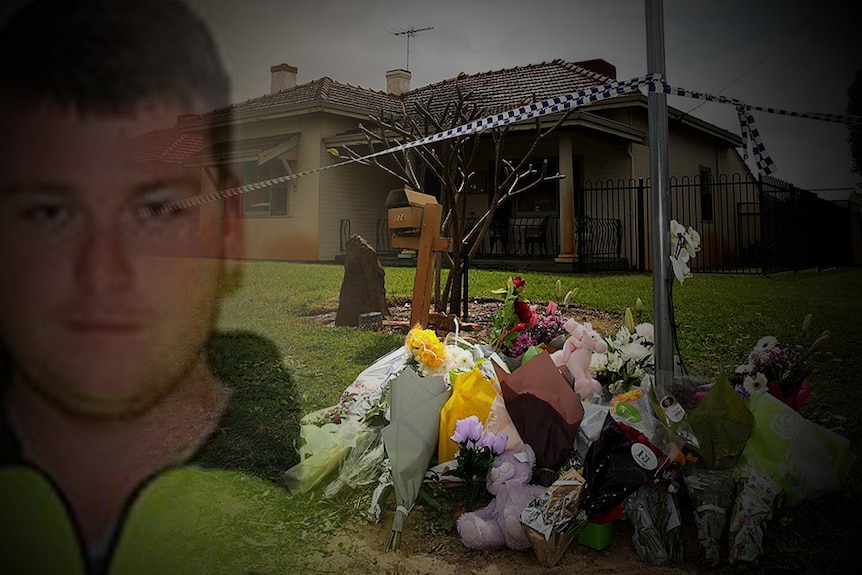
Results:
<point x="523" y="311"/>
<point x="518" y="282"/>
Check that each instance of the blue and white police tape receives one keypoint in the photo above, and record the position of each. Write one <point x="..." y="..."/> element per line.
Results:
<point x="555" y="105"/>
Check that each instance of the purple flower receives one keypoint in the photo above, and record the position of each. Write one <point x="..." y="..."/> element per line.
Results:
<point x="496" y="443"/>
<point x="468" y="429"/>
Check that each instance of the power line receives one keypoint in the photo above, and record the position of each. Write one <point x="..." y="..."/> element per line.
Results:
<point x="410" y="33"/>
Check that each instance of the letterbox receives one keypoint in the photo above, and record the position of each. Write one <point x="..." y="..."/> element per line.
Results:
<point x="406" y="207"/>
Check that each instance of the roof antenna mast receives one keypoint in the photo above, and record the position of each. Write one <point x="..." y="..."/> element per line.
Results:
<point x="410" y="33"/>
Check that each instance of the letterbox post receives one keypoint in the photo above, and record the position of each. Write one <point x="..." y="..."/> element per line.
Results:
<point x="424" y="281"/>
<point x="416" y="226"/>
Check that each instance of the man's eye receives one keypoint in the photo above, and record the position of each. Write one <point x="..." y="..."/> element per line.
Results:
<point x="44" y="212"/>
<point x="160" y="209"/>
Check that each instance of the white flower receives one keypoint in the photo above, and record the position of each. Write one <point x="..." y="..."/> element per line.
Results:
<point x="692" y="241"/>
<point x="635" y="351"/>
<point x="684" y="246"/>
<point x="680" y="269"/>
<point x="616" y="387"/>
<point x="622" y="337"/>
<point x="765" y="343"/>
<point x="676" y="229"/>
<point x="598" y="362"/>
<point x="457" y="358"/>
<point x="615" y="362"/>
<point x="646" y="331"/>
<point x="756" y="384"/>
<point x="743" y="368"/>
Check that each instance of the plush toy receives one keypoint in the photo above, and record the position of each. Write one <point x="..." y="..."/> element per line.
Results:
<point x="576" y="354"/>
<point x="498" y="524"/>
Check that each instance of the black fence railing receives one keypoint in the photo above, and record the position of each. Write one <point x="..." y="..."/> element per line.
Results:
<point x="746" y="225"/>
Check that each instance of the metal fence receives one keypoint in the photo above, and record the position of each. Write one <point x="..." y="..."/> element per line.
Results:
<point x="747" y="226"/>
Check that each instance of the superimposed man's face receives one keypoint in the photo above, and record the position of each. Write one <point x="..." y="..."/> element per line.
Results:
<point x="102" y="313"/>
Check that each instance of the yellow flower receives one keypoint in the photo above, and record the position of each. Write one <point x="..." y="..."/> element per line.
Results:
<point x="628" y="396"/>
<point x="425" y="346"/>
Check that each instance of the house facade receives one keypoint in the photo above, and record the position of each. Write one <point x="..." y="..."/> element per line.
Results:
<point x="299" y="128"/>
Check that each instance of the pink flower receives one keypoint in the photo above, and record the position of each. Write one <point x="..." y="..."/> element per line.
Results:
<point x="551" y="309"/>
<point x="534" y="317"/>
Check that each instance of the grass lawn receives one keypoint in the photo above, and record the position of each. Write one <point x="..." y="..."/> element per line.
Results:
<point x="720" y="317"/>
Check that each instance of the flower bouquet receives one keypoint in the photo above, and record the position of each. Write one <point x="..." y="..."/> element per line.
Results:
<point x="779" y="369"/>
<point x="430" y="356"/>
<point x="712" y="493"/>
<point x="519" y="326"/>
<point x="477" y="450"/>
<point x="629" y="357"/>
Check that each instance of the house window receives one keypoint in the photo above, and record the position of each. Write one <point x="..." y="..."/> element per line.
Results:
<point x="268" y="201"/>
<point x="707" y="205"/>
<point x="543" y="199"/>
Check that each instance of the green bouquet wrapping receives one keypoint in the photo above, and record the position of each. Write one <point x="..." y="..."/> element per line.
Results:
<point x="723" y="425"/>
<point x="805" y="459"/>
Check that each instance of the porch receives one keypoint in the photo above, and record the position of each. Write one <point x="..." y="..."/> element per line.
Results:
<point x="747" y="226"/>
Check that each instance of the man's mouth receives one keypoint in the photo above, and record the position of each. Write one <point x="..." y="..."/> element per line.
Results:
<point x="104" y="324"/>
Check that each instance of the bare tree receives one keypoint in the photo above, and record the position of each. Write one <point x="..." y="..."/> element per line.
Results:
<point x="452" y="163"/>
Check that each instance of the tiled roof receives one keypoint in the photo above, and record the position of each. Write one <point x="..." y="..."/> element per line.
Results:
<point x="322" y="91"/>
<point x="500" y="90"/>
<point x="172" y="146"/>
<point x="493" y="91"/>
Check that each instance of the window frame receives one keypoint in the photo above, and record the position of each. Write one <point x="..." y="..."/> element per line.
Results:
<point x="255" y="172"/>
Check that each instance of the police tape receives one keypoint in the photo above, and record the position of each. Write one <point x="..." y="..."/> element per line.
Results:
<point x="655" y="83"/>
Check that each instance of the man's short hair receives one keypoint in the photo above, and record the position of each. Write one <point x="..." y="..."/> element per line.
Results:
<point x="107" y="56"/>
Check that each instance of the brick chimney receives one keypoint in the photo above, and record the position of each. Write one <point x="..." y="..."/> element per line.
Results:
<point x="398" y="82"/>
<point x="599" y="66"/>
<point x="283" y="77"/>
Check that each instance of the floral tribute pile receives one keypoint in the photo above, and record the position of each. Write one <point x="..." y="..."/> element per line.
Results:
<point x="608" y="439"/>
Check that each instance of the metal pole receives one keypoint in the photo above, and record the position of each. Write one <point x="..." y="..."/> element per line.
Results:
<point x="658" y="151"/>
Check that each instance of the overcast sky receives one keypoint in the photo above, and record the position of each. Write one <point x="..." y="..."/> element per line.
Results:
<point x="792" y="55"/>
<point x="799" y="56"/>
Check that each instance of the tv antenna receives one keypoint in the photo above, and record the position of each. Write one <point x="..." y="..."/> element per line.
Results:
<point x="410" y="33"/>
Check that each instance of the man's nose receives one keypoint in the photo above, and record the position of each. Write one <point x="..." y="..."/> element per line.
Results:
<point x="103" y="266"/>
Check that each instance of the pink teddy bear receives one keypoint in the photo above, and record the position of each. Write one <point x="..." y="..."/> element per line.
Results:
<point x="576" y="354"/>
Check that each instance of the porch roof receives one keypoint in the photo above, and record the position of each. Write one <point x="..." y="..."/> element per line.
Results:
<point x="248" y="149"/>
